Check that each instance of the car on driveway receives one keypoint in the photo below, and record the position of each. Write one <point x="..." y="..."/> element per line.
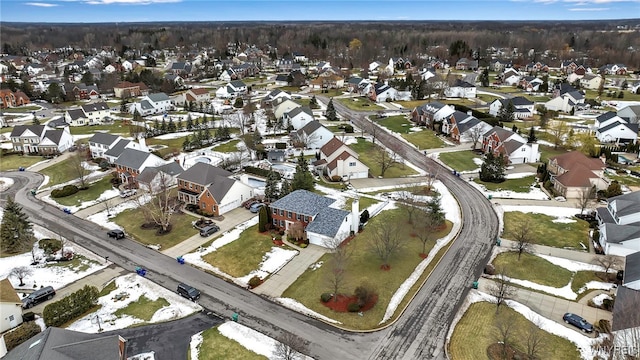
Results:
<point x="578" y="322"/>
<point x="127" y="193"/>
<point x="116" y="233"/>
<point x="256" y="207"/>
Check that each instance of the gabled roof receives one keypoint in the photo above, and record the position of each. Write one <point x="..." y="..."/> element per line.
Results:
<point x="468" y="124"/>
<point x="7" y="293"/>
<point x="203" y="174"/>
<point x="577" y="176"/>
<point x="75" y="114"/>
<point x="310" y="127"/>
<point x="502" y="133"/>
<point x="132" y="158"/>
<point x="220" y="186"/>
<point x="297" y="111"/>
<point x="118" y="148"/>
<point x="172" y="169"/>
<point x="103" y="138"/>
<point x="516" y="101"/>
<point x="460" y="116"/>
<point x="238" y="84"/>
<point x="632" y="127"/>
<point x="327" y="222"/>
<point x="20" y="129"/>
<point x="331" y="146"/>
<point x="512" y="145"/>
<point x="303" y="202"/>
<point x="97" y="106"/>
<point x="572" y="159"/>
<point x="461" y="83"/>
<point x="621" y="233"/>
<point x="626" y="204"/>
<point x="632" y="268"/>
<point x="625" y="312"/>
<point x="343" y="156"/>
<point x="606" y="116"/>
<point x="156" y="97"/>
<point x="54" y="135"/>
<point x="199" y="91"/>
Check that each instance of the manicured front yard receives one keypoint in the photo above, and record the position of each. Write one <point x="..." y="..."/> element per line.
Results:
<point x="62" y="172"/>
<point x="92" y="193"/>
<point x="360" y="104"/>
<point x="533" y="268"/>
<point x="78" y="264"/>
<point x="425" y="139"/>
<point x="547" y="152"/>
<point x="547" y="232"/>
<point x="166" y="146"/>
<point x="521" y="185"/>
<point x="132" y="219"/>
<point x="216" y="346"/>
<point x="13" y="162"/>
<point x="142" y="309"/>
<point x="230" y="146"/>
<point x="411" y="103"/>
<point x="476" y="331"/>
<point x="398" y="124"/>
<point x="363" y="267"/>
<point x="115" y="128"/>
<point x="367" y="152"/>
<point x="363" y="203"/>
<point x="583" y="277"/>
<point x="21" y="109"/>
<point x="460" y="160"/>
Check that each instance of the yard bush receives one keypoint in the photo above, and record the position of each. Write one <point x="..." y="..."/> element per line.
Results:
<point x="325" y="297"/>
<point x="255" y="281"/>
<point x="348" y="129"/>
<point x="489" y="269"/>
<point x="353" y="307"/>
<point x="364" y="293"/>
<point x="258" y="171"/>
<point x="50" y="245"/>
<point x="364" y="217"/>
<point x="194" y="208"/>
<point x="336" y="178"/>
<point x="21" y="334"/>
<point x="607" y="304"/>
<point x="28" y="316"/>
<point x="603" y="326"/>
<point x="281" y="145"/>
<point x="70" y="307"/>
<point x="67" y="190"/>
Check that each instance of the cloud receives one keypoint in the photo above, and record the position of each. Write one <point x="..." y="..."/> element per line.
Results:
<point x="129" y="2"/>
<point x="588" y="9"/>
<point x="40" y="4"/>
<point x="587" y="2"/>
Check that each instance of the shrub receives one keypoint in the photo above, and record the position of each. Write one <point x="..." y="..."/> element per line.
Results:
<point x="258" y="171"/>
<point x="336" y="178"/>
<point x="28" y="316"/>
<point x="348" y="129"/>
<point x="67" y="190"/>
<point x="281" y="145"/>
<point x="364" y="217"/>
<point x="21" y="334"/>
<point x="303" y="245"/>
<point x="50" y="245"/>
<point x="255" y="281"/>
<point x="603" y="326"/>
<point x="364" y="293"/>
<point x="70" y="307"/>
<point x="489" y="269"/>
<point x="325" y="297"/>
<point x="607" y="304"/>
<point x="353" y="307"/>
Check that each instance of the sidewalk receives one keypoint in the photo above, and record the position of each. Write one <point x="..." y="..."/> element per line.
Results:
<point x="581" y="256"/>
<point x="277" y="283"/>
<point x="45" y="164"/>
<point x="391" y="182"/>
<point x="552" y="307"/>
<point x="98" y="279"/>
<point x="231" y="220"/>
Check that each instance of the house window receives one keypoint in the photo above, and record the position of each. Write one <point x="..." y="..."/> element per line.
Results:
<point x="352" y="164"/>
<point x="274" y="211"/>
<point x="275" y="222"/>
<point x="289" y="214"/>
<point x="11" y="318"/>
<point x="207" y="194"/>
<point x="298" y="216"/>
<point x="306" y="219"/>
<point x="190" y="186"/>
<point x="281" y="212"/>
<point x="203" y="205"/>
<point x="282" y="223"/>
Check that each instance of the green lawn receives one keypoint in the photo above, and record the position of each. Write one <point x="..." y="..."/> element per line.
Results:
<point x="364" y="202"/>
<point x="411" y="104"/>
<point x="78" y="264"/>
<point x="92" y="193"/>
<point x="13" y="162"/>
<point x="625" y="179"/>
<point x="366" y="152"/>
<point x="227" y="147"/>
<point x="62" y="172"/>
<point x="520" y="185"/>
<point x="143" y="308"/>
<point x="398" y="124"/>
<point x="533" y="268"/>
<point x="216" y="346"/>
<point x="487" y="98"/>
<point x="583" y="277"/>
<point x="243" y="255"/>
<point x="360" y="104"/>
<point x="476" y="331"/>
<point x="364" y="267"/>
<point x="331" y="93"/>
<point x="132" y="220"/>
<point x="21" y="109"/>
<point x="115" y="128"/>
<point x="425" y="139"/>
<point x="547" y="232"/>
<point x="172" y="145"/>
<point x="628" y="96"/>
<point x="460" y="160"/>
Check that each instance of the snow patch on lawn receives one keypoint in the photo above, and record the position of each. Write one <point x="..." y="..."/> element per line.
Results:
<point x="271" y="263"/>
<point x="599" y="299"/>
<point x="596" y="285"/>
<point x="109" y="194"/>
<point x="571" y="265"/>
<point x="102" y="218"/>
<point x="517" y="175"/>
<point x="533" y="194"/>
<point x="173" y="135"/>
<point x="194" y="345"/>
<point x="296" y="306"/>
<point x="558" y="212"/>
<point x="5" y="183"/>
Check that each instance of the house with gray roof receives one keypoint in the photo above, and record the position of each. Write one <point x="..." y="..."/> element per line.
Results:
<point x="311" y="136"/>
<point x="431" y="113"/>
<point x="297" y="117"/>
<point x="99" y="143"/>
<point x="88" y="114"/>
<point x="157" y="103"/>
<point x="40" y="139"/>
<point x="461" y="89"/>
<point x="212" y="189"/>
<point x="463" y="127"/>
<point x="617" y="130"/>
<point x="61" y="344"/>
<point x="321" y="222"/>
<point x="631" y="277"/>
<point x="131" y="162"/>
<point x="514" y="148"/>
<point x="625" y="323"/>
<point x="619" y="224"/>
<point x="523" y="107"/>
<point x="631" y="113"/>
<point x="155" y="179"/>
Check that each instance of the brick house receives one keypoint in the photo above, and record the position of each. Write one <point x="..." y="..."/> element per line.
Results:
<point x="9" y="99"/>
<point x="127" y="89"/>
<point x="212" y="189"/>
<point x="513" y="147"/>
<point x="132" y="162"/>
<point x="573" y="172"/>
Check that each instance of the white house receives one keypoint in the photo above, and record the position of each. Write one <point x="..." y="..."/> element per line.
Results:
<point x="127" y="65"/>
<point x="461" y="89"/>
<point x="619" y="224"/>
<point x="101" y="142"/>
<point x="157" y="103"/>
<point x="339" y="160"/>
<point x="566" y="102"/>
<point x="431" y="113"/>
<point x="382" y="92"/>
<point x="591" y="81"/>
<point x="297" y="117"/>
<point x="10" y="306"/>
<point x="523" y="108"/>
<point x="617" y="131"/>
<point x="312" y="136"/>
<point x="284" y="107"/>
<point x="232" y="89"/>
<point x="277" y="94"/>
<point x="117" y="148"/>
<point x="40" y="139"/>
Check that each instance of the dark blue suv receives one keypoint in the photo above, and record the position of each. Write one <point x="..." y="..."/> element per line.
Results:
<point x="578" y="322"/>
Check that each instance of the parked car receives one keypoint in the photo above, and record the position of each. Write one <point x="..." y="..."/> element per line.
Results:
<point x="127" y="193"/>
<point x="560" y="198"/>
<point x="578" y="322"/>
<point x="188" y="292"/>
<point x="209" y="230"/>
<point x="38" y="296"/>
<point x="116" y="233"/>
<point x="256" y="207"/>
<point x="248" y="203"/>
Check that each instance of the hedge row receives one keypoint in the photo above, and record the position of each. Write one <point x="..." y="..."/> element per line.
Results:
<point x="70" y="307"/>
<point x="21" y="334"/>
<point x="67" y="190"/>
<point x="258" y="171"/>
<point x="488" y="118"/>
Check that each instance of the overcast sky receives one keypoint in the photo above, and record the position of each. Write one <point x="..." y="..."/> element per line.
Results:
<point x="78" y="11"/>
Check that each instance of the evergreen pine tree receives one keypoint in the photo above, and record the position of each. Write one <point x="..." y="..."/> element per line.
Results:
<point x="163" y="126"/>
<point x="532" y="135"/>
<point x="156" y="126"/>
<point x="435" y="209"/>
<point x="262" y="219"/>
<point x="331" y="111"/>
<point x="302" y="179"/>
<point x="186" y="144"/>
<point x="171" y="126"/>
<point x="285" y="188"/>
<point x="35" y="120"/>
<point x="271" y="191"/>
<point x="16" y="232"/>
<point x="205" y="121"/>
<point x="179" y="124"/>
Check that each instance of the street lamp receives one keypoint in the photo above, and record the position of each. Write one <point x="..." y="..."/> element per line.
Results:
<point x="96" y="319"/>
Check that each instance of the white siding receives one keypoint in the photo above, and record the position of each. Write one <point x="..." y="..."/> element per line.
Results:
<point x="238" y="193"/>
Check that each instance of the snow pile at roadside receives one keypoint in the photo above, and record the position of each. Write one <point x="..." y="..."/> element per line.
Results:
<point x="5" y="183"/>
<point x="296" y="306"/>
<point x="272" y="261"/>
<point x="533" y="194"/>
<point x="194" y="345"/>
<point x="597" y="285"/>
<point x="571" y="265"/>
<point x="134" y="287"/>
<point x="102" y="218"/>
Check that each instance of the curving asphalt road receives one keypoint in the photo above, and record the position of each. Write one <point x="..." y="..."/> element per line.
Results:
<point x="418" y="334"/>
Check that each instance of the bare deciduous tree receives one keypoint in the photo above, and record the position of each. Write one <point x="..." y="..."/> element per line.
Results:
<point x="79" y="169"/>
<point x="608" y="262"/>
<point x="475" y="134"/>
<point x="21" y="272"/>
<point x="384" y="159"/>
<point x="409" y="204"/>
<point x="433" y="175"/>
<point x="338" y="259"/>
<point x="585" y="196"/>
<point x="290" y="347"/>
<point x="304" y="140"/>
<point x="385" y="240"/>
<point x="534" y="337"/>
<point x="425" y="226"/>
<point x="106" y="204"/>
<point x="522" y="237"/>
<point x="504" y="331"/>
<point x="159" y="206"/>
<point x="501" y="289"/>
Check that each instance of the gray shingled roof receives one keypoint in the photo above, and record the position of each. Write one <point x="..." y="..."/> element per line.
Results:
<point x="156" y="97"/>
<point x="237" y="84"/>
<point x="632" y="127"/>
<point x="310" y="127"/>
<point x="61" y="344"/>
<point x="220" y="187"/>
<point x="203" y="174"/>
<point x="171" y="168"/>
<point x="301" y="109"/>
<point x="103" y="138"/>
<point x="132" y="158"/>
<point x="632" y="268"/>
<point x="145" y="105"/>
<point x="118" y="148"/>
<point x="75" y="114"/>
<point x="54" y="135"/>
<point x="98" y="106"/>
<point x="468" y="124"/>
<point x="20" y="129"/>
<point x="625" y="312"/>
<point x="606" y="116"/>
<point x="605" y="215"/>
<point x="327" y="222"/>
<point x="516" y="101"/>
<point x="621" y="233"/>
<point x="303" y="202"/>
<point x="626" y="204"/>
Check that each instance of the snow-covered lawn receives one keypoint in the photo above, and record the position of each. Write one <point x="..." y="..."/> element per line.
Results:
<point x="134" y="287"/>
<point x="599" y="299"/>
<point x="109" y="194"/>
<point x="102" y="218"/>
<point x="5" y="183"/>
<point x="533" y="194"/>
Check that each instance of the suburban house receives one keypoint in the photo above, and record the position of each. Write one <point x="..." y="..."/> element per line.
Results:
<point x="81" y="91"/>
<point x="339" y="160"/>
<point x="157" y="103"/>
<point x="276" y="94"/>
<point x="431" y="113"/>
<point x="232" y="89"/>
<point x="625" y="323"/>
<point x="155" y="179"/>
<point x="182" y="68"/>
<point x="382" y="92"/>
<point x="10" y="306"/>
<point x="523" y="108"/>
<point x="118" y="148"/>
<point x="614" y="69"/>
<point x="498" y="65"/>
<point x="311" y="136"/>
<point x="10" y="99"/>
<point x="466" y="64"/>
<point x="212" y="189"/>
<point x="199" y="95"/>
<point x="612" y="128"/>
<point x="619" y="224"/>
<point x="530" y="83"/>
<point x="510" y="77"/>
<point x="573" y="174"/>
<point x="127" y="89"/>
<point x="566" y="102"/>
<point x="58" y="343"/>
<point x="284" y="106"/>
<point x="88" y="114"/>
<point x="463" y="127"/>
<point x="461" y="89"/>
<point x="513" y="147"/>
<point x="297" y="117"/>
<point x="132" y="162"/>
<point x="630" y="112"/>
<point x="100" y="142"/>
<point x="591" y="81"/>
<point x="327" y="80"/>
<point x="40" y="139"/>
<point x="358" y="85"/>
<point x="323" y="225"/>
<point x="282" y="80"/>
